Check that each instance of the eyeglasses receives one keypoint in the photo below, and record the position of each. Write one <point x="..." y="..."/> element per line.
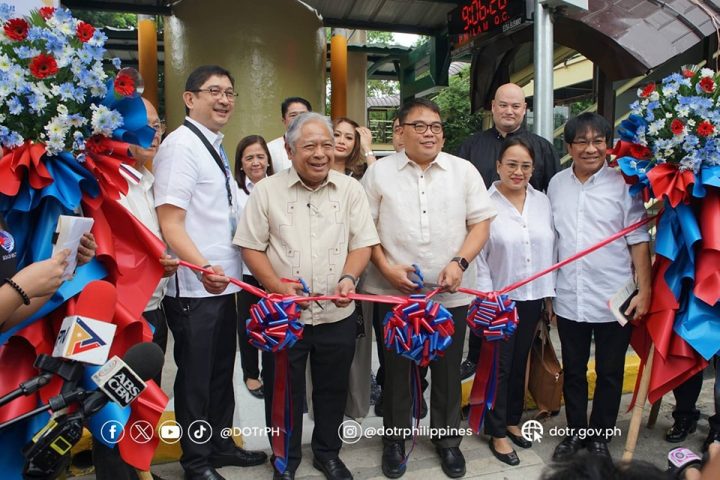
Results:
<point x="421" y="127"/>
<point x="524" y="167"/>
<point x="216" y="93"/>
<point x="159" y="127"/>
<point x="584" y="143"/>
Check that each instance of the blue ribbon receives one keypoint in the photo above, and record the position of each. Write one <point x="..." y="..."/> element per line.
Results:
<point x="633" y="167"/>
<point x="135" y="128"/>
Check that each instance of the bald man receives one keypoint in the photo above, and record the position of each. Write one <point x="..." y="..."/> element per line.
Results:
<point x="482" y="150"/>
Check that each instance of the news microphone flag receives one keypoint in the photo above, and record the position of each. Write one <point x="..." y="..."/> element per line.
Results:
<point x="119" y="382"/>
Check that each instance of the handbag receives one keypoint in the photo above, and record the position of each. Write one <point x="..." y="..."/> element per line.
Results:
<point x="545" y="374"/>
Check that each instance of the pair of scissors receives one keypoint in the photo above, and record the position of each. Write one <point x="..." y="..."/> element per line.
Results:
<point x="417" y="277"/>
<point x="306" y="290"/>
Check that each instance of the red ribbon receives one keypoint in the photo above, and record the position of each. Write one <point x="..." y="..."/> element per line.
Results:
<point x="26" y="159"/>
<point x="103" y="158"/>
<point x="707" y="273"/>
<point x="667" y="180"/>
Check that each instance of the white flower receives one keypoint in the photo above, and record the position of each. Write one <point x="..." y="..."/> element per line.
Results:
<point x="706" y="72"/>
<point x="691" y="122"/>
<point x="654" y="96"/>
<point x="668" y="115"/>
<point x="5" y="63"/>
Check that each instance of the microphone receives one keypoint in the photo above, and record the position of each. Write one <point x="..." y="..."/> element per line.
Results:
<point x="84" y="337"/>
<point x="47" y="453"/>
<point x="87" y="336"/>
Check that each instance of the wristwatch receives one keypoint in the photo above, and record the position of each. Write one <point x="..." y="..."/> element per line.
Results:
<point x="461" y="262"/>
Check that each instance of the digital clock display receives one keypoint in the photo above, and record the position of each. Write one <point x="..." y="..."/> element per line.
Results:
<point x="475" y="17"/>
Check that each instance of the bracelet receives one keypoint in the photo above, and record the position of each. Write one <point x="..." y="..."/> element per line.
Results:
<point x="369" y="153"/>
<point x="352" y="279"/>
<point x="19" y="290"/>
<point x="199" y="275"/>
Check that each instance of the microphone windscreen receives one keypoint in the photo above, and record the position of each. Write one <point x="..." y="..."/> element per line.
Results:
<point x="145" y="359"/>
<point x="98" y="301"/>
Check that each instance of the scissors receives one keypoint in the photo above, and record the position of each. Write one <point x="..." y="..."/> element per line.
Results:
<point x="417" y="277"/>
<point x="306" y="289"/>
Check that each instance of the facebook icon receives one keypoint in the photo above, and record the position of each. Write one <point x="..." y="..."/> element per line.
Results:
<point x="112" y="432"/>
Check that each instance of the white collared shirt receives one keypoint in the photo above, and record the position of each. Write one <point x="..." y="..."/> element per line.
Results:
<point x="140" y="202"/>
<point x="280" y="160"/>
<point x="584" y="214"/>
<point x="422" y="216"/>
<point x="520" y="245"/>
<point x="187" y="177"/>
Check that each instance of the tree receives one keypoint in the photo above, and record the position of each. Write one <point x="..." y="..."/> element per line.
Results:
<point x="107" y="19"/>
<point x="381" y="88"/>
<point x="454" y="102"/>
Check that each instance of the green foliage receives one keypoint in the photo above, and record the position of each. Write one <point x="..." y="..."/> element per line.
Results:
<point x="454" y="103"/>
<point x="107" y="19"/>
<point x="578" y="107"/>
<point x="382" y="38"/>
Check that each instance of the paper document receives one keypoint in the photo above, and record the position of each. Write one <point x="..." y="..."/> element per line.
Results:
<point x="621" y="300"/>
<point x="68" y="233"/>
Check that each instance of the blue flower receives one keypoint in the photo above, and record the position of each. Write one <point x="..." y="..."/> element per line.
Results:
<point x="67" y="91"/>
<point x="117" y="63"/>
<point x="37" y="103"/>
<point x="63" y="15"/>
<point x="15" y="106"/>
<point x="6" y="11"/>
<point x="35" y="34"/>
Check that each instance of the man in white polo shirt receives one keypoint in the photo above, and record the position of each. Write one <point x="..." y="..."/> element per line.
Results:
<point x="196" y="200"/>
<point x="290" y="108"/>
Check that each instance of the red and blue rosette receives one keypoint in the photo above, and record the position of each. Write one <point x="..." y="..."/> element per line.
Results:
<point x="419" y="329"/>
<point x="274" y="326"/>
<point x="492" y="318"/>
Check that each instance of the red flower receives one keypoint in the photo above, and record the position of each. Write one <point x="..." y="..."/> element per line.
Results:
<point x="124" y="85"/>
<point x="647" y="90"/>
<point x="47" y="12"/>
<point x="641" y="152"/>
<point x="84" y="31"/>
<point x="16" y="29"/>
<point x="705" y="128"/>
<point x="677" y="127"/>
<point x="707" y="84"/>
<point x="43" y="66"/>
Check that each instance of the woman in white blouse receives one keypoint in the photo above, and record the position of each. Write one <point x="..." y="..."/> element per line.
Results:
<point x="252" y="164"/>
<point x="522" y="242"/>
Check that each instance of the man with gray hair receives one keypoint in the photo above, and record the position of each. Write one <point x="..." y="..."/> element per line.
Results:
<point x="313" y="223"/>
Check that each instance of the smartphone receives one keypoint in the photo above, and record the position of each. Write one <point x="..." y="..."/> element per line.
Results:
<point x="626" y="304"/>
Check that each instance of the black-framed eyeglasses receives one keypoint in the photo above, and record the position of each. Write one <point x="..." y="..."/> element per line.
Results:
<point x="159" y="127"/>
<point x="421" y="127"/>
<point x="584" y="143"/>
<point x="215" y="92"/>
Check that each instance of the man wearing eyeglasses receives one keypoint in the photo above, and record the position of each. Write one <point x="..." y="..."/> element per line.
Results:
<point x="196" y="200"/>
<point x="433" y="210"/>
<point x="591" y="201"/>
<point x="291" y="107"/>
<point x="482" y="150"/>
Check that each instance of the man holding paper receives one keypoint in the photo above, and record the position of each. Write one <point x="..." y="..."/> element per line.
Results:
<point x="590" y="201"/>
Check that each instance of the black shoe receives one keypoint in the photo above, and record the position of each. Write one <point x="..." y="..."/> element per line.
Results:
<point x="509" y="458"/>
<point x="207" y="474"/>
<point x="288" y="475"/>
<point x="452" y="461"/>
<point x="713" y="436"/>
<point x="256" y="392"/>
<point x="519" y="440"/>
<point x="467" y="369"/>
<point x="238" y="458"/>
<point x="683" y="426"/>
<point x="379" y="406"/>
<point x="393" y="458"/>
<point x="567" y="448"/>
<point x="334" y="469"/>
<point x="598" y="448"/>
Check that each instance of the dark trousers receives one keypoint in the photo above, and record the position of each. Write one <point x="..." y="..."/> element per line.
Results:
<point x="249" y="355"/>
<point x="330" y="348"/>
<point x="157" y="319"/>
<point x="380" y="345"/>
<point x="510" y="391"/>
<point x="474" y="344"/>
<point x="445" y="388"/>
<point x="686" y="395"/>
<point x="204" y="331"/>
<point x="611" y="343"/>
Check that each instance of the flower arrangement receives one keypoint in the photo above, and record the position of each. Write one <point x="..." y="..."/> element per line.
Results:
<point x="52" y="82"/>
<point x="674" y="125"/>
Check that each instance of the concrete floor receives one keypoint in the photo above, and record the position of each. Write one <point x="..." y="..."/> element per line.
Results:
<point x="363" y="458"/>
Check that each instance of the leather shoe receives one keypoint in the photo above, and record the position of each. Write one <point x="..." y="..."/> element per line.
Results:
<point x="509" y="458"/>
<point x="207" y="474"/>
<point x="467" y="369"/>
<point x="713" y="436"/>
<point x="288" y="475"/>
<point x="334" y="469"/>
<point x="238" y="458"/>
<point x="379" y="406"/>
<point x="567" y="448"/>
<point x="519" y="440"/>
<point x="598" y="448"/>
<point x="393" y="459"/>
<point x="256" y="392"/>
<point x="452" y="461"/>
<point x="683" y="426"/>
